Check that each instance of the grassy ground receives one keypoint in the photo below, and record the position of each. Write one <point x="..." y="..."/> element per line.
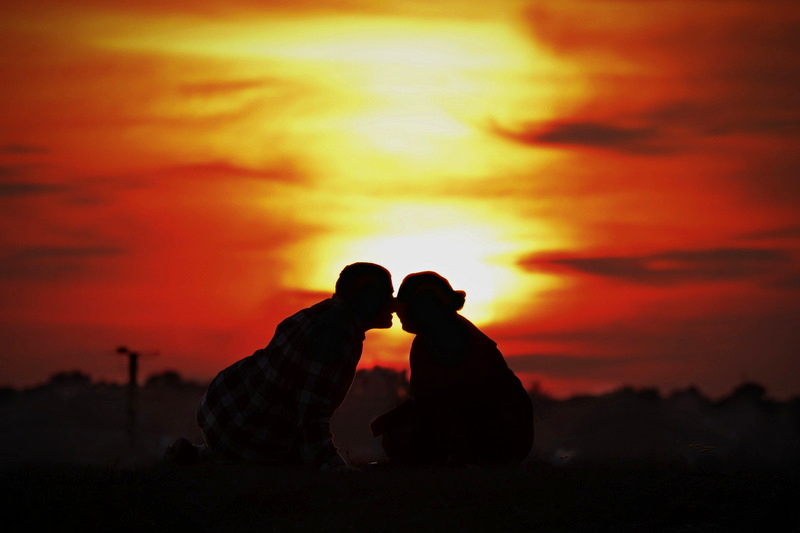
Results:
<point x="245" y="498"/>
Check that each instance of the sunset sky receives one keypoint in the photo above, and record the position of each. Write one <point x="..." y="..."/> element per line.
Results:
<point x="615" y="184"/>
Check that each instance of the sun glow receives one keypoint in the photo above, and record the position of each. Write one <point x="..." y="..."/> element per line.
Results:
<point x="461" y="254"/>
<point x="376" y="112"/>
<point x="467" y="246"/>
<point x="408" y="131"/>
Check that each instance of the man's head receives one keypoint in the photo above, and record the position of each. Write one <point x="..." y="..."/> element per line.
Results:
<point x="367" y="289"/>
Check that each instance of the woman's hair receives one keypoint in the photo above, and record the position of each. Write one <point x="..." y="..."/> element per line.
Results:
<point x="433" y="285"/>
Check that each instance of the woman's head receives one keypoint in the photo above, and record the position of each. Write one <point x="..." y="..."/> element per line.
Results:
<point x="424" y="299"/>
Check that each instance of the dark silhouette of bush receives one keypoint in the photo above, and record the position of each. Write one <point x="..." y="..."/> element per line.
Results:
<point x="749" y="391"/>
<point x="69" y="378"/>
<point x="168" y="378"/>
<point x="6" y="394"/>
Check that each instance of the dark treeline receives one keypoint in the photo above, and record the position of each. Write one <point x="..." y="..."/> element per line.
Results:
<point x="74" y="419"/>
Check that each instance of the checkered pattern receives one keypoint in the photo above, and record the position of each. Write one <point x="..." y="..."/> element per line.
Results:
<point x="276" y="404"/>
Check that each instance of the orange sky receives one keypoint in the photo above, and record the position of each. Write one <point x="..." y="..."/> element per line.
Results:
<point x="614" y="183"/>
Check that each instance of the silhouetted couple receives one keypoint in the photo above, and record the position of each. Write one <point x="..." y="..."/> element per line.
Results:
<point x="465" y="405"/>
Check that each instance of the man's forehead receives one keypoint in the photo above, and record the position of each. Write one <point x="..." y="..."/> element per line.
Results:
<point x="379" y="282"/>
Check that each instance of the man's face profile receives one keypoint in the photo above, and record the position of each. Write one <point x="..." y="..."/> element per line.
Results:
<point x="378" y="305"/>
<point x="385" y="295"/>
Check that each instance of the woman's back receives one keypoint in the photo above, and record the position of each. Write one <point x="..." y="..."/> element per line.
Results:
<point x="473" y="405"/>
<point x="458" y="357"/>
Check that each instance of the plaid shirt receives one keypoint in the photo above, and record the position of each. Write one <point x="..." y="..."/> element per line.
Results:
<point x="276" y="404"/>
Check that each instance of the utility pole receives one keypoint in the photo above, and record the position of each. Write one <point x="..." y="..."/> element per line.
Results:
<point x="133" y="387"/>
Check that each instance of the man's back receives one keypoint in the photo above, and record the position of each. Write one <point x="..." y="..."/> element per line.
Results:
<point x="276" y="404"/>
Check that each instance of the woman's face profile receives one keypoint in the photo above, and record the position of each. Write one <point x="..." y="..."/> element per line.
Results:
<point x="406" y="321"/>
<point x="423" y="311"/>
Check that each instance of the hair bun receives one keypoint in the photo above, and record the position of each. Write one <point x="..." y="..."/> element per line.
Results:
<point x="458" y="298"/>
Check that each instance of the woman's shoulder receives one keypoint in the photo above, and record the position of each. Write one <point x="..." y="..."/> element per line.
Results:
<point x="474" y="335"/>
<point x="448" y="345"/>
<point x="453" y="343"/>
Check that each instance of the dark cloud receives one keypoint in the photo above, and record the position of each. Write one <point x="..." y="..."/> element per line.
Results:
<point x="663" y="129"/>
<point x="38" y="180"/>
<point x="57" y="263"/>
<point x="786" y="232"/>
<point x="28" y="189"/>
<point x="13" y="171"/>
<point x="630" y="140"/>
<point x="709" y="76"/>
<point x="23" y="149"/>
<point x="671" y="267"/>
<point x="736" y="114"/>
<point x="766" y="126"/>
<point x="25" y="180"/>
<point x="791" y="282"/>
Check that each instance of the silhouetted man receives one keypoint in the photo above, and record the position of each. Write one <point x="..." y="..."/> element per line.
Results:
<point x="275" y="405"/>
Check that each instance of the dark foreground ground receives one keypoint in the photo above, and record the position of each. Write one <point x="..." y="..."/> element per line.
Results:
<point x="535" y="498"/>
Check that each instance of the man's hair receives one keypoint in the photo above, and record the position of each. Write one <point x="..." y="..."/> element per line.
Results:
<point x="360" y="276"/>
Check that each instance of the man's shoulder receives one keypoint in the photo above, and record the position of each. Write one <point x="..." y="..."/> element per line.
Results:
<point x="331" y="314"/>
<point x="332" y="331"/>
<point x="328" y="319"/>
<point x="308" y="315"/>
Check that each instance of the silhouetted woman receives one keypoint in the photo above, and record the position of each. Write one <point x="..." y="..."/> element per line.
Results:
<point x="465" y="406"/>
